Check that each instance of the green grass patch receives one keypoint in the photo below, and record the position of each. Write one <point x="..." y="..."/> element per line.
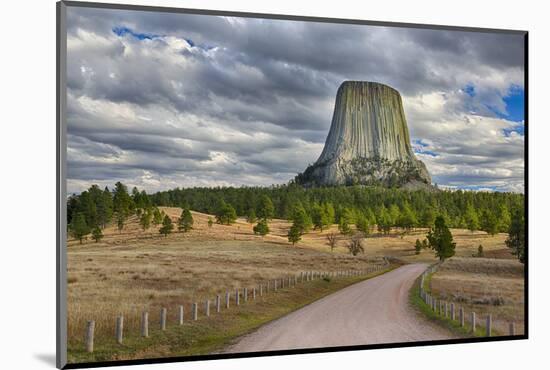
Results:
<point x="212" y="334"/>
<point x="452" y="325"/>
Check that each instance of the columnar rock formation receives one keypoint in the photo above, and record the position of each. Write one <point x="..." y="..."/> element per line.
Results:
<point x="368" y="142"/>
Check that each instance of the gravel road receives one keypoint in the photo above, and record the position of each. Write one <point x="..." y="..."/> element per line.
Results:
<point x="370" y="312"/>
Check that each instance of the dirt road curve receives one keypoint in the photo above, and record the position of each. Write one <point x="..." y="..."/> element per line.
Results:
<point x="370" y="312"/>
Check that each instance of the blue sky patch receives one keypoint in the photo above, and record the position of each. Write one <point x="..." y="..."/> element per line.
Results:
<point x="469" y="89"/>
<point x="515" y="106"/>
<point x="123" y="31"/>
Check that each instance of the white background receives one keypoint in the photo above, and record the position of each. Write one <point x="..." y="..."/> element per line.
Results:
<point x="27" y="154"/>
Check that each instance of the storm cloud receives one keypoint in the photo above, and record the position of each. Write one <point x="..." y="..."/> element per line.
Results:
<point x="161" y="100"/>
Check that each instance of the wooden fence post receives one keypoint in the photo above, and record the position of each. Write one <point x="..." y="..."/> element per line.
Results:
<point x="453" y="311"/>
<point x="488" y="324"/>
<point x="261" y="290"/>
<point x="473" y="321"/>
<point x="237" y="297"/>
<point x="90" y="336"/>
<point x="446" y="309"/>
<point x="275" y="285"/>
<point x="119" y="328"/>
<point x="163" y="319"/>
<point x="145" y="324"/>
<point x="253" y="294"/>
<point x="218" y="303"/>
<point x="195" y="309"/>
<point x="180" y="315"/>
<point x="207" y="307"/>
<point x="461" y="316"/>
<point x="227" y="297"/>
<point x="245" y="294"/>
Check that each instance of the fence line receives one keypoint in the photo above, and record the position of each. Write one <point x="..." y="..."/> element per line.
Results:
<point x="286" y="282"/>
<point x="449" y="308"/>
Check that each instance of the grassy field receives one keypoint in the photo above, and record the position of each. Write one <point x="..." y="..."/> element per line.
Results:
<point x="484" y="285"/>
<point x="134" y="270"/>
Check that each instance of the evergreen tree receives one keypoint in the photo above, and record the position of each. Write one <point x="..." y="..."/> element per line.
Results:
<point x="251" y="216"/>
<point x="440" y="239"/>
<point x="261" y="228"/>
<point x="329" y="213"/>
<point x="226" y="214"/>
<point x="394" y="214"/>
<point x="384" y="221"/>
<point x="167" y="226"/>
<point x="294" y="234"/>
<point x="157" y="216"/>
<point x="320" y="217"/>
<point x="407" y="219"/>
<point x="97" y="235"/>
<point x="185" y="222"/>
<point x="301" y="219"/>
<point x="145" y="220"/>
<point x="120" y="222"/>
<point x="472" y="221"/>
<point x="344" y="227"/>
<point x="504" y="219"/>
<point x="78" y="228"/>
<point x="516" y="235"/>
<point x="266" y="209"/>
<point x="480" y="251"/>
<point x="428" y="217"/>
<point x="489" y="222"/>
<point x="362" y="224"/>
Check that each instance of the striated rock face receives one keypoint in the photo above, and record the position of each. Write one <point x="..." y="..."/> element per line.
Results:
<point x="368" y="142"/>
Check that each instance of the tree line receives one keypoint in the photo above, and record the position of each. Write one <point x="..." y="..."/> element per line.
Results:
<point x="306" y="208"/>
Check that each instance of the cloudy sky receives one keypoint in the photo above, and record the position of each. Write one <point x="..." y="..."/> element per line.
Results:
<point x="159" y="100"/>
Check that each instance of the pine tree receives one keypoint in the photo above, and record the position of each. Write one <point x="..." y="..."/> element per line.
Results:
<point x="440" y="239"/>
<point x="489" y="222"/>
<point x="266" y="209"/>
<point x="145" y="220"/>
<point x="343" y="226"/>
<point x="97" y="235"/>
<point x="251" y="216"/>
<point x="301" y="219"/>
<point x="362" y="224"/>
<point x="294" y="234"/>
<point x="329" y="213"/>
<point x="167" y="226"/>
<point x="261" y="228"/>
<point x="320" y="217"/>
<point x="185" y="222"/>
<point x="407" y="219"/>
<point x="120" y="221"/>
<point x="384" y="221"/>
<point x="472" y="221"/>
<point x="516" y="235"/>
<point x="428" y="217"/>
<point x="157" y="217"/>
<point x="226" y="214"/>
<point x="78" y="228"/>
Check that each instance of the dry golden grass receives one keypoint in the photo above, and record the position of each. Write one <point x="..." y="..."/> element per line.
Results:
<point x="133" y="270"/>
<point x="484" y="285"/>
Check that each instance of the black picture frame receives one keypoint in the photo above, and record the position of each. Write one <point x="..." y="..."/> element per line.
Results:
<point x="61" y="193"/>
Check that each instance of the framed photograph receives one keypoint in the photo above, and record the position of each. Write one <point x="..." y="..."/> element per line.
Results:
<point x="234" y="184"/>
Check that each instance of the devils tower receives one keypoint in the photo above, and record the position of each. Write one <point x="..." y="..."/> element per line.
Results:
<point x="368" y="142"/>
